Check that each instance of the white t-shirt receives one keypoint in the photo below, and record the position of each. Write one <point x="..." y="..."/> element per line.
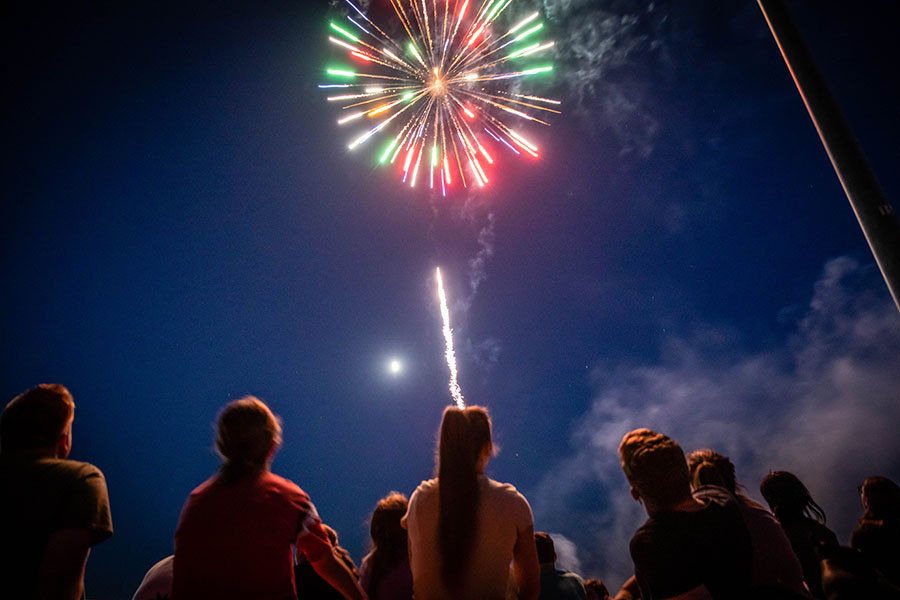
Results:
<point x="503" y="515"/>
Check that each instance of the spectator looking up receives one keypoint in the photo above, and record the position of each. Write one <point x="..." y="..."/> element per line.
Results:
<point x="52" y="510"/>
<point x="877" y="535"/>
<point x="236" y="530"/>
<point x="556" y="584"/>
<point x="385" y="572"/>
<point x="803" y="521"/>
<point x="464" y="528"/>
<point x="775" y="571"/>
<point x="686" y="549"/>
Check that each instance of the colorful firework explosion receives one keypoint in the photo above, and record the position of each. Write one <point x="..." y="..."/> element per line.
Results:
<point x="441" y="92"/>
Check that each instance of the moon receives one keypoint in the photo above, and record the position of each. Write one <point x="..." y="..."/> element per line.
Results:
<point x="395" y="366"/>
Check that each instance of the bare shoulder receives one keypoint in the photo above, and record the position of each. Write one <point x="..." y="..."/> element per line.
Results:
<point x="426" y="489"/>
<point x="503" y="489"/>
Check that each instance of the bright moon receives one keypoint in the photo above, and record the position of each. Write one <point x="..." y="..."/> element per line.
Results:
<point x="395" y="366"/>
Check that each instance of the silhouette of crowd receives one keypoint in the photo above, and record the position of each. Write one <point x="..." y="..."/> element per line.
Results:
<point x="247" y="533"/>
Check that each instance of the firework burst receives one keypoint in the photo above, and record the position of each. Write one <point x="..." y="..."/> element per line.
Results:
<point x="440" y="96"/>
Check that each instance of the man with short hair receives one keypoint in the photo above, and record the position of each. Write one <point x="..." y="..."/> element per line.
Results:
<point x="686" y="550"/>
<point x="556" y="584"/>
<point x="52" y="510"/>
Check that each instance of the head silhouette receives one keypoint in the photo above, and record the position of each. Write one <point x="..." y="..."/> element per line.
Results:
<point x="389" y="538"/>
<point x="39" y="418"/>
<point x="655" y="467"/>
<point x="708" y="467"/>
<point x="788" y="498"/>
<point x="881" y="497"/>
<point x="248" y="434"/>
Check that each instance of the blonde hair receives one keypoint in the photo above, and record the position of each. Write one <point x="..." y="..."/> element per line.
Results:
<point x="247" y="432"/>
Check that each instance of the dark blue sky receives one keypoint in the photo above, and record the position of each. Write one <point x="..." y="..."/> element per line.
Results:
<point x="182" y="225"/>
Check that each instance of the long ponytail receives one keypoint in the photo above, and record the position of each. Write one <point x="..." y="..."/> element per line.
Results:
<point x="465" y="433"/>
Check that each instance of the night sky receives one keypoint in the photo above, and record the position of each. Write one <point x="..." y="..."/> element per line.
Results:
<point x="182" y="224"/>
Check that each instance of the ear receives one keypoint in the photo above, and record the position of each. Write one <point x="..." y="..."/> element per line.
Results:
<point x="635" y="494"/>
<point x="63" y="444"/>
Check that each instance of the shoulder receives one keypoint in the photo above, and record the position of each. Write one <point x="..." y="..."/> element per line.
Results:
<point x="749" y="502"/>
<point x="426" y="492"/>
<point x="290" y="494"/>
<point x="504" y="490"/>
<point x="424" y="501"/>
<point x="284" y="485"/>
<point x="661" y="535"/>
<point x="571" y="576"/>
<point x="67" y="470"/>
<point x="83" y="475"/>
<point x="83" y="469"/>
<point x="429" y="486"/>
<point x="507" y="499"/>
<point x="644" y="537"/>
<point x="203" y="489"/>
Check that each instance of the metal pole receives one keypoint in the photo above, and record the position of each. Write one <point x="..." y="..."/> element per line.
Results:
<point x="875" y="214"/>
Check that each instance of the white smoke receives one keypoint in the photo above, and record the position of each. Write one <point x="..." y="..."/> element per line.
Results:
<point x="825" y="406"/>
<point x="599" y="45"/>
<point x="478" y="263"/>
<point x="566" y="553"/>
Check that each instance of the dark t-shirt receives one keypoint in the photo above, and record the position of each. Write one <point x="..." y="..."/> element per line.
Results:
<point x="675" y="552"/>
<point x="38" y="496"/>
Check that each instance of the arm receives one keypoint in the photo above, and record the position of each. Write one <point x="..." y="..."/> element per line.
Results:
<point x="630" y="590"/>
<point x="61" y="574"/>
<point x="338" y="576"/>
<point x="525" y="565"/>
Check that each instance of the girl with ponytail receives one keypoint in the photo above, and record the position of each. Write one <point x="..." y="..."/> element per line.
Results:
<point x="465" y="528"/>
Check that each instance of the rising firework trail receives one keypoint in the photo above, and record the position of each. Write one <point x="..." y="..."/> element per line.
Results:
<point x="439" y="98"/>
<point x="455" y="392"/>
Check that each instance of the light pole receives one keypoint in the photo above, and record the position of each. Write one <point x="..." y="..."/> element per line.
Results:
<point x="875" y="214"/>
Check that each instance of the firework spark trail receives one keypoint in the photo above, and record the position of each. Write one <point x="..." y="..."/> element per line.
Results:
<point x="455" y="391"/>
<point x="448" y="76"/>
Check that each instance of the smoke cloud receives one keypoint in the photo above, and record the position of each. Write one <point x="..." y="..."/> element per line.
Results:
<point x="825" y="405"/>
<point x="602" y="52"/>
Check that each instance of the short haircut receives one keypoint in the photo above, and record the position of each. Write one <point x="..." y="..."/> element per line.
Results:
<point x="655" y="466"/>
<point x="545" y="550"/>
<point x="36" y="418"/>
<point x="247" y="433"/>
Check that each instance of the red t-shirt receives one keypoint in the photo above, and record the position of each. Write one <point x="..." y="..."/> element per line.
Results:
<point x="234" y="540"/>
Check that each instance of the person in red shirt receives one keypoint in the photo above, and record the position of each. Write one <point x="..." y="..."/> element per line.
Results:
<point x="236" y="532"/>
